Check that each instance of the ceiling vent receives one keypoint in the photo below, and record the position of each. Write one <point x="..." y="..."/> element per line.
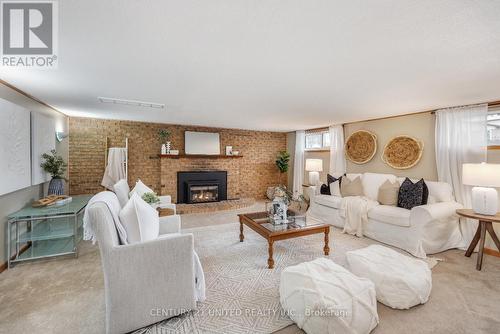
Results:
<point x="131" y="103"/>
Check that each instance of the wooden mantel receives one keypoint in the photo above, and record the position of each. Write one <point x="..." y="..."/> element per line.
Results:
<point x="199" y="156"/>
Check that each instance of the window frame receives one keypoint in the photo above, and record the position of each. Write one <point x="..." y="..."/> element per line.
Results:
<point x="318" y="149"/>
<point x="493" y="110"/>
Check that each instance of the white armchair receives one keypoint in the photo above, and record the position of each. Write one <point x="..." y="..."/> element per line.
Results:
<point x="144" y="282"/>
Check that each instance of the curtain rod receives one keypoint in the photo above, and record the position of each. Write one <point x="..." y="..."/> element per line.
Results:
<point x="432" y="112"/>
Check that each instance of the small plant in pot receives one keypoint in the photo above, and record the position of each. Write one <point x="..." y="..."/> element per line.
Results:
<point x="163" y="135"/>
<point x="282" y="162"/>
<point x="54" y="165"/>
<point x="151" y="199"/>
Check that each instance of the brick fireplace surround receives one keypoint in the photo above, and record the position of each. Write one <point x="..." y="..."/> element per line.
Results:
<point x="248" y="176"/>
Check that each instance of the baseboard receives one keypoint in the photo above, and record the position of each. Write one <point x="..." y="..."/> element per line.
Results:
<point x="5" y="265"/>
<point x="493" y="252"/>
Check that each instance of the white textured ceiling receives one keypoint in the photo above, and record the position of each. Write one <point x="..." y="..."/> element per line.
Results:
<point x="269" y="64"/>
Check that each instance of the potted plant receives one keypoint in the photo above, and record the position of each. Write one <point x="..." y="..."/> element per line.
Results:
<point x="54" y="165"/>
<point x="282" y="162"/>
<point x="151" y="199"/>
<point x="163" y="135"/>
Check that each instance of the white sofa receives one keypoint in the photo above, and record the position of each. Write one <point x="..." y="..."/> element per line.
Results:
<point x="425" y="229"/>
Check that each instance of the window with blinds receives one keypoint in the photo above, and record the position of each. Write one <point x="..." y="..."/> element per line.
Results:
<point x="493" y="126"/>
<point x="318" y="139"/>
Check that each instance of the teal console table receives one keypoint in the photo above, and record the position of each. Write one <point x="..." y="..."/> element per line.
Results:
<point x="37" y="233"/>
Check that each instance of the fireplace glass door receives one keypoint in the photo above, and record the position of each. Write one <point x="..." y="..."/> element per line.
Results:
<point x="203" y="193"/>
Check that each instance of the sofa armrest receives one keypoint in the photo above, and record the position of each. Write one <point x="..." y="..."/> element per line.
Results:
<point x="170" y="224"/>
<point x="434" y="212"/>
<point x="167" y="206"/>
<point x="165" y="199"/>
<point x="310" y="192"/>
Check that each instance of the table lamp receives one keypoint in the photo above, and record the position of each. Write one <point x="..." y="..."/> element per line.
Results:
<point x="484" y="177"/>
<point x="314" y="166"/>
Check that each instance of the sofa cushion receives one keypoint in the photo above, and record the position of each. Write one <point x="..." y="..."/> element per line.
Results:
<point x="373" y="181"/>
<point x="351" y="188"/>
<point x="389" y="214"/>
<point x="335" y="187"/>
<point x="388" y="193"/>
<point x="140" y="220"/>
<point x="122" y="191"/>
<point x="328" y="200"/>
<point x="140" y="188"/>
<point x="410" y="194"/>
<point x="438" y="191"/>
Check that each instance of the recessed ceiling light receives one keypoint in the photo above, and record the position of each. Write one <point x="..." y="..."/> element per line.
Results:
<point x="131" y="102"/>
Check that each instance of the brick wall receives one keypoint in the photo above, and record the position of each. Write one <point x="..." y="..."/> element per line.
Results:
<point x="248" y="176"/>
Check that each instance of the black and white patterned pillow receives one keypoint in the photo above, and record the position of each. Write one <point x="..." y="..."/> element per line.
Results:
<point x="325" y="188"/>
<point x="411" y="194"/>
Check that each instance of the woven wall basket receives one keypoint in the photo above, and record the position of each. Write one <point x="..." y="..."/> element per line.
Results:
<point x="361" y="146"/>
<point x="402" y="152"/>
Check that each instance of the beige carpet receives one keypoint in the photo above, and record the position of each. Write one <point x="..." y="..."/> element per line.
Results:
<point x="66" y="295"/>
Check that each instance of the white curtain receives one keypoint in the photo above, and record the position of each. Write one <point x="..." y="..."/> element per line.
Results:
<point x="298" y="163"/>
<point x="337" y="156"/>
<point x="460" y="138"/>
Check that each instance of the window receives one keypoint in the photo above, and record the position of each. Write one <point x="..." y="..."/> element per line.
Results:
<point x="318" y="140"/>
<point x="493" y="127"/>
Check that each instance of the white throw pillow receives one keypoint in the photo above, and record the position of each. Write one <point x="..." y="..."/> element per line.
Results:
<point x="140" y="189"/>
<point x="335" y="188"/>
<point x="122" y="190"/>
<point x="140" y="220"/>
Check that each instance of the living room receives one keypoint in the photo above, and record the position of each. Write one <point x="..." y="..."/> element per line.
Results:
<point x="285" y="167"/>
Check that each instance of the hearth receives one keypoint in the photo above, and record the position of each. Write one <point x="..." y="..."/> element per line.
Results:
<point x="201" y="186"/>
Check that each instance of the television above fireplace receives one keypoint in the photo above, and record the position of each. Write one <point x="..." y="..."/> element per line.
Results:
<point x="201" y="186"/>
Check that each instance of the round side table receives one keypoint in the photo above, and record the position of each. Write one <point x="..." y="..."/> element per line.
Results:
<point x="485" y="224"/>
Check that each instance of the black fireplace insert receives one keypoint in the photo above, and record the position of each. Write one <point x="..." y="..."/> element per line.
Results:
<point x="201" y="186"/>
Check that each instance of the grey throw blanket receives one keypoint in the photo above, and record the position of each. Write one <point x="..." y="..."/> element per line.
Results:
<point x="114" y="207"/>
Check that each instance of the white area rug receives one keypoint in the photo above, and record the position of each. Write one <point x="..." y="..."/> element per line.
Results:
<point x="242" y="293"/>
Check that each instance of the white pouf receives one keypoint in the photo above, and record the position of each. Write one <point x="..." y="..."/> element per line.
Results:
<point x="401" y="281"/>
<point x="322" y="297"/>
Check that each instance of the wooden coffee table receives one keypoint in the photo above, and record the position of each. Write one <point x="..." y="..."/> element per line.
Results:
<point x="259" y="222"/>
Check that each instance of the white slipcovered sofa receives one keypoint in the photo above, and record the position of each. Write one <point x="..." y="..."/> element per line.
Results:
<point x="425" y="229"/>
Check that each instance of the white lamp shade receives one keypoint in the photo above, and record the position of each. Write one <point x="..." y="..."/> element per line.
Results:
<point x="481" y="175"/>
<point x="314" y="165"/>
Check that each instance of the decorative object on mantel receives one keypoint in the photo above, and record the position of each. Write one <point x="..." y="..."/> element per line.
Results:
<point x="163" y="135"/>
<point x="174" y="152"/>
<point x="236" y="152"/>
<point x="361" y="146"/>
<point x="54" y="165"/>
<point x="229" y="150"/>
<point x="402" y="152"/>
